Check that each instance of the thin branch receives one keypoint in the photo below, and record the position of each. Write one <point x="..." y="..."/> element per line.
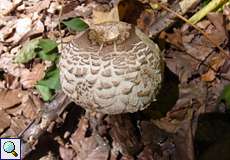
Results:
<point x="37" y="127"/>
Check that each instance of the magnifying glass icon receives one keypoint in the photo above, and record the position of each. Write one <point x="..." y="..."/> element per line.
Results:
<point x="9" y="147"/>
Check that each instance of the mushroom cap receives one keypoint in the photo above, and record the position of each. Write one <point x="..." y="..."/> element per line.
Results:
<point x="112" y="79"/>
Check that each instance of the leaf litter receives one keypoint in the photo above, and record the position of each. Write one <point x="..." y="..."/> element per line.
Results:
<point x="29" y="78"/>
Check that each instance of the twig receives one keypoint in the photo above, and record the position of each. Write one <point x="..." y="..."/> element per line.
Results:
<point x="36" y="128"/>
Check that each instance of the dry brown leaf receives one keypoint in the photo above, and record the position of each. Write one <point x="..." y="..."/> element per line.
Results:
<point x="54" y="6"/>
<point x="22" y="27"/>
<point x="7" y="64"/>
<point x="208" y="76"/>
<point x="2" y="85"/>
<point x="203" y="24"/>
<point x="182" y="65"/>
<point x="88" y="148"/>
<point x="226" y="12"/>
<point x="30" y="78"/>
<point x="124" y="135"/>
<point x="27" y="108"/>
<point x="10" y="98"/>
<point x="6" y="6"/>
<point x="79" y="134"/>
<point x="146" y="20"/>
<point x="218" y="32"/>
<point x="2" y="48"/>
<point x="18" y="124"/>
<point x="7" y="30"/>
<point x="66" y="153"/>
<point x="175" y="38"/>
<point x="146" y="154"/>
<point x="38" y="7"/>
<point x="4" y="121"/>
<point x="30" y="110"/>
<point x="216" y="62"/>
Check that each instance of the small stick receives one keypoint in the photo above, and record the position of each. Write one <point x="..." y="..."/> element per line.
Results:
<point x="37" y="127"/>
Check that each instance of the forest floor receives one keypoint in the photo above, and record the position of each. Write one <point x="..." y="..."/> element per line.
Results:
<point x="190" y="119"/>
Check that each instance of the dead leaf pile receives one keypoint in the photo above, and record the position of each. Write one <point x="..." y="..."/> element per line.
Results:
<point x="196" y="55"/>
<point x="17" y="109"/>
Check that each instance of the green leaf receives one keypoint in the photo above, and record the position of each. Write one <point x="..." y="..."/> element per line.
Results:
<point x="44" y="91"/>
<point x="225" y="95"/>
<point x="51" y="80"/>
<point x="49" y="84"/>
<point x="49" y="57"/>
<point x="48" y="50"/>
<point x="76" y="24"/>
<point x="47" y="45"/>
<point x="28" y="51"/>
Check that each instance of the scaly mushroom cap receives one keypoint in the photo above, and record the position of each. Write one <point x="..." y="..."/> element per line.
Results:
<point x="115" y="78"/>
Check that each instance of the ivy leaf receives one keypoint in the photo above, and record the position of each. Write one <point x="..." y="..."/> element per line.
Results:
<point x="48" y="50"/>
<point x="28" y="51"/>
<point x="76" y="24"/>
<point x="44" y="91"/>
<point x="51" y="80"/>
<point x="47" y="45"/>
<point x="49" y="84"/>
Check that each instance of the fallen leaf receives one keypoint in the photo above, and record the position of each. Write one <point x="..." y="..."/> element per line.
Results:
<point x="5" y="6"/>
<point x="88" y="148"/>
<point x="7" y="30"/>
<point x="7" y="65"/>
<point x="124" y="135"/>
<point x="22" y="27"/>
<point x="146" y="20"/>
<point x="38" y="7"/>
<point x="28" y="108"/>
<point x="38" y="28"/>
<point x="66" y="153"/>
<point x="54" y="6"/>
<point x="30" y="78"/>
<point x="4" y="121"/>
<point x="182" y="65"/>
<point x="10" y="98"/>
<point x="208" y="76"/>
<point x="18" y="124"/>
<point x="216" y="62"/>
<point x="175" y="38"/>
<point x="203" y="24"/>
